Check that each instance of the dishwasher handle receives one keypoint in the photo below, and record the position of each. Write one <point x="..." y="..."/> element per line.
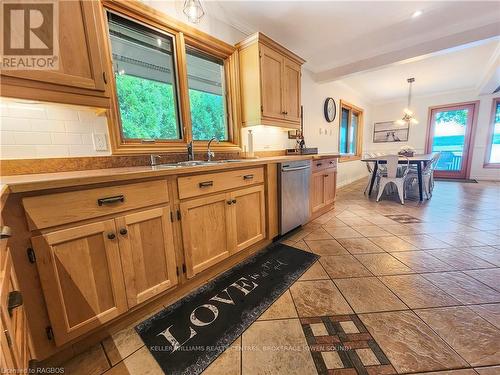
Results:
<point x="289" y="169"/>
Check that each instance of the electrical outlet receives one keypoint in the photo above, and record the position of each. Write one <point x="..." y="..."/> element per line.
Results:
<point x="100" y="142"/>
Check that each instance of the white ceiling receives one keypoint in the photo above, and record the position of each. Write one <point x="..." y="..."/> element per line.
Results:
<point x="451" y="70"/>
<point x="338" y="38"/>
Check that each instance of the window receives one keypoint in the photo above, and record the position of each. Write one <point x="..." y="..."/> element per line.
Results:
<point x="207" y="96"/>
<point x="493" y="149"/>
<point x="350" y="131"/>
<point x="144" y="69"/>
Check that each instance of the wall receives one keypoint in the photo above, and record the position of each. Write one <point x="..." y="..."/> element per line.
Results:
<point x="418" y="133"/>
<point x="38" y="130"/>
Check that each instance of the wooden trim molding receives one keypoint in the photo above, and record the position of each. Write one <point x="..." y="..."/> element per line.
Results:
<point x="491" y="133"/>
<point x="359" y="135"/>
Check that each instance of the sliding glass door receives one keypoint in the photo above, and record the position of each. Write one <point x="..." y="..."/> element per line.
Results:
<point x="449" y="133"/>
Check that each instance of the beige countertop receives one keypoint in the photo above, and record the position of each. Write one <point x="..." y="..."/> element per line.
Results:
<point x="34" y="182"/>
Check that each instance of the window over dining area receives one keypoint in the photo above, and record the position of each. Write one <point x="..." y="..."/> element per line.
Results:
<point x="493" y="148"/>
<point x="350" y="131"/>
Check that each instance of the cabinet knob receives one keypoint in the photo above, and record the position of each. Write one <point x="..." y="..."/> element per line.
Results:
<point x="123" y="231"/>
<point x="111" y="236"/>
<point x="229" y="202"/>
<point x="233" y="201"/>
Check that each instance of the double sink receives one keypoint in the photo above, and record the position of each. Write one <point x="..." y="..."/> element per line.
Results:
<point x="195" y="163"/>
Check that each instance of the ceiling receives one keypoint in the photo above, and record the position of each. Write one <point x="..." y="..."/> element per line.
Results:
<point x="338" y="38"/>
<point x="451" y="70"/>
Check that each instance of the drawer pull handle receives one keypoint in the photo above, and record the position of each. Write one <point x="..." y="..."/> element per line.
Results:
<point x="15" y="300"/>
<point x="319" y="164"/>
<point x="110" y="200"/>
<point x="5" y="232"/>
<point x="332" y="162"/>
<point x="111" y="236"/>
<point x="123" y="231"/>
<point x="206" y="184"/>
<point x="325" y="175"/>
<point x="248" y="177"/>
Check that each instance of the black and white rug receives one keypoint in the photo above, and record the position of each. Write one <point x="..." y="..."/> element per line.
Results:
<point x="187" y="336"/>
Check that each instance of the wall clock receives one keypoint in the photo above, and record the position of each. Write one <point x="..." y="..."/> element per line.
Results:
<point x="330" y="109"/>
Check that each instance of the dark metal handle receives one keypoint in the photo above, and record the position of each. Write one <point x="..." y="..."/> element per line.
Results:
<point x="110" y="200"/>
<point x="206" y="184"/>
<point x="5" y="232"/>
<point x="233" y="201"/>
<point x="123" y="231"/>
<point x="332" y="162"/>
<point x="319" y="164"/>
<point x="229" y="202"/>
<point x="111" y="236"/>
<point x="15" y="300"/>
<point x="248" y="177"/>
<point x="104" y="78"/>
<point x="325" y="175"/>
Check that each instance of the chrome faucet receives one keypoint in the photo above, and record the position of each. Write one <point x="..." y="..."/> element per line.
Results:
<point x="190" y="151"/>
<point x="210" y="153"/>
<point x="154" y="159"/>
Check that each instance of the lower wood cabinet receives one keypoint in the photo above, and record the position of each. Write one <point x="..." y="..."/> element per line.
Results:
<point x="215" y="227"/>
<point x="81" y="276"/>
<point x="323" y="189"/>
<point x="147" y="253"/>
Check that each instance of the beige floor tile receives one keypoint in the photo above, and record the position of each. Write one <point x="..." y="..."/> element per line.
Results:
<point x="460" y="260"/>
<point x="318" y="298"/>
<point x="298" y="235"/>
<point x="282" y="308"/>
<point x="355" y="221"/>
<point x="315" y="272"/>
<point x="450" y="372"/>
<point x="301" y="245"/>
<point x="463" y="287"/>
<point x="276" y="347"/>
<point x="422" y="261"/>
<point x="326" y="247"/>
<point x="360" y="246"/>
<point x="122" y="344"/>
<point x="333" y="223"/>
<point x="486" y="238"/>
<point x="343" y="232"/>
<point x="368" y="294"/>
<point x="399" y="229"/>
<point x="332" y="360"/>
<point x="476" y="340"/>
<point x="228" y="363"/>
<point x="457" y="239"/>
<point x="490" y="277"/>
<point x="367" y="357"/>
<point x="489" y="370"/>
<point x="409" y="343"/>
<point x="487" y="253"/>
<point x="423" y="241"/>
<point x="383" y="264"/>
<point x="490" y="312"/>
<point x="139" y="363"/>
<point x="418" y="292"/>
<point x="371" y="231"/>
<point x="318" y="234"/>
<point x="343" y="266"/>
<point x="393" y="243"/>
<point x="90" y="362"/>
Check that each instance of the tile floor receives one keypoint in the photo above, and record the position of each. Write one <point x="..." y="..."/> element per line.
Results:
<point x="398" y="289"/>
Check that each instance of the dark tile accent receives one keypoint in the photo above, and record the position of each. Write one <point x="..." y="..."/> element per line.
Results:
<point x="404" y="219"/>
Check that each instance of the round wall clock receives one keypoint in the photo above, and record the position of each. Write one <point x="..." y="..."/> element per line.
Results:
<point x="330" y="109"/>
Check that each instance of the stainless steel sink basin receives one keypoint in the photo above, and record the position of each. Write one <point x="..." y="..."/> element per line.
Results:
<point x="194" y="163"/>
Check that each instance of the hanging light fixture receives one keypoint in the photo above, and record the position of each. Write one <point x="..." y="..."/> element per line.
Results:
<point x="193" y="10"/>
<point x="407" y="112"/>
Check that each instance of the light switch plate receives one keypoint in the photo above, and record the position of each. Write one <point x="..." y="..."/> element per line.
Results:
<point x="100" y="142"/>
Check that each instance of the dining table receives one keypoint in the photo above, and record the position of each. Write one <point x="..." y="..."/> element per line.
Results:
<point x="420" y="160"/>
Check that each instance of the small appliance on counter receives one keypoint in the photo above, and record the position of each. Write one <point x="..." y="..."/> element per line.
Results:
<point x="302" y="151"/>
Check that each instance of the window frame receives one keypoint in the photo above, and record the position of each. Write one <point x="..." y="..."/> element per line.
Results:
<point x="359" y="133"/>
<point x="182" y="35"/>
<point x="491" y="133"/>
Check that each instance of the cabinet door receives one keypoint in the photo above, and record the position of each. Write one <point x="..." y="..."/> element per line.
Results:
<point x="79" y="50"/>
<point x="81" y="277"/>
<point x="317" y="191"/>
<point x="271" y="70"/>
<point x="291" y="98"/>
<point x="147" y="253"/>
<point x="205" y="223"/>
<point x="248" y="217"/>
<point x="330" y="183"/>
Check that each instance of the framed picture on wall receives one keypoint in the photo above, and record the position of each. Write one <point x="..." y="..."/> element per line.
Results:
<point x="390" y="131"/>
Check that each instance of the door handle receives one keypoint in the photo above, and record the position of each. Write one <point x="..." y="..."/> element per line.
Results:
<point x="248" y="177"/>
<point x="110" y="200"/>
<point x="206" y="184"/>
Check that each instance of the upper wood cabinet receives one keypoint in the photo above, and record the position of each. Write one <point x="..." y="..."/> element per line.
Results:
<point x="81" y="277"/>
<point x="270" y="78"/>
<point x="147" y="253"/>
<point x="80" y="78"/>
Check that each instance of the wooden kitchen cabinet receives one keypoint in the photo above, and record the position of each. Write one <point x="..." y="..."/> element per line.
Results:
<point x="147" y="253"/>
<point x="248" y="217"/>
<point x="80" y="77"/>
<point x="317" y="191"/>
<point x="81" y="276"/>
<point x="270" y="78"/>
<point x="323" y="186"/>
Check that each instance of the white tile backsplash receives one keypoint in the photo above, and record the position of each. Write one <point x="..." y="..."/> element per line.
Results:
<point x="30" y="130"/>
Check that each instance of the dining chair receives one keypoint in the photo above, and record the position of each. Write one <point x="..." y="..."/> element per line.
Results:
<point x="370" y="170"/>
<point x="393" y="175"/>
<point x="427" y="176"/>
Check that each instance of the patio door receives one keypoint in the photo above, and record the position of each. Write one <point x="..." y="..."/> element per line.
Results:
<point x="449" y="132"/>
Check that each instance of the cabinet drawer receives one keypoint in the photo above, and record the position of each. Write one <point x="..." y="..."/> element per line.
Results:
<point x="46" y="211"/>
<point x="193" y="186"/>
<point x="321" y="164"/>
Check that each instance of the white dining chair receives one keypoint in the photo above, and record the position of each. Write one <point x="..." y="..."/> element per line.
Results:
<point x="427" y="176"/>
<point x="370" y="169"/>
<point x="391" y="176"/>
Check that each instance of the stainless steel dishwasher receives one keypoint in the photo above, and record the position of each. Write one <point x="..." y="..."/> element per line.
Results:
<point x="294" y="179"/>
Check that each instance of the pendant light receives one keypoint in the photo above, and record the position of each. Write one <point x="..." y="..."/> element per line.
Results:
<point x="407" y="112"/>
<point x="193" y="10"/>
